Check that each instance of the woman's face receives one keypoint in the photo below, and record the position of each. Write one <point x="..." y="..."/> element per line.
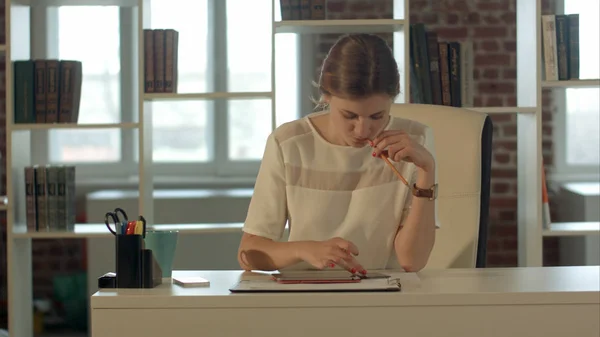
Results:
<point x="353" y="122"/>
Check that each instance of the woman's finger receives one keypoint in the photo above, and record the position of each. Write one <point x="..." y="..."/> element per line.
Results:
<point x="403" y="155"/>
<point x="385" y="134"/>
<point x="386" y="143"/>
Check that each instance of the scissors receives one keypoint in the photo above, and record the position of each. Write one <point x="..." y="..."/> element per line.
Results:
<point x="120" y="225"/>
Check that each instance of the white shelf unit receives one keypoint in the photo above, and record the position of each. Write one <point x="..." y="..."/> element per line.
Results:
<point x="528" y="111"/>
<point x="19" y="15"/>
<point x="558" y="89"/>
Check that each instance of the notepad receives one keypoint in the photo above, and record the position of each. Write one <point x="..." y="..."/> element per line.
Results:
<point x="191" y="281"/>
<point x="368" y="285"/>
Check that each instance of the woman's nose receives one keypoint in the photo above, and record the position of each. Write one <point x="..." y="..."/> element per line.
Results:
<point x="362" y="129"/>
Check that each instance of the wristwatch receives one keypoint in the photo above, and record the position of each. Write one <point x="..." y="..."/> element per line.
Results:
<point x="429" y="193"/>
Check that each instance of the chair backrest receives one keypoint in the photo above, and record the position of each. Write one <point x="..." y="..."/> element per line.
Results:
<point x="463" y="146"/>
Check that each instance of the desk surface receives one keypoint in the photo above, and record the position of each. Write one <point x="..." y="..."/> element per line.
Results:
<point x="535" y="285"/>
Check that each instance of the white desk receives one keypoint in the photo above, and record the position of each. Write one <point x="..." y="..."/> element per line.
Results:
<point x="551" y="301"/>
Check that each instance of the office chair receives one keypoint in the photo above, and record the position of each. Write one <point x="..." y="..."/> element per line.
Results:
<point x="463" y="149"/>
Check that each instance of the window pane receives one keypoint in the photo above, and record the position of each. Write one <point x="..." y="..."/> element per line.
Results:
<point x="286" y="78"/>
<point x="248" y="45"/>
<point x="583" y="126"/>
<point x="91" y="35"/>
<point x="180" y="131"/>
<point x="583" y="104"/>
<point x="249" y="126"/>
<point x="181" y="128"/>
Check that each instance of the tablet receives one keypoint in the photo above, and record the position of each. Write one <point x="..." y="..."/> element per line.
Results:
<point x="295" y="277"/>
<point x="342" y="276"/>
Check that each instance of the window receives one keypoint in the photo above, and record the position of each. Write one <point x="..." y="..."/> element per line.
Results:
<point x="577" y="130"/>
<point x="91" y="35"/>
<point x="224" y="46"/>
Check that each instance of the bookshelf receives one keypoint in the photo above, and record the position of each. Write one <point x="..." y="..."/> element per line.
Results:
<point x="19" y="136"/>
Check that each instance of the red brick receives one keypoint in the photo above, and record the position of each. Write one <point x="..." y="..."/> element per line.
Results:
<point x="510" y="130"/>
<point x="490" y="32"/>
<point x="511" y="100"/>
<point x="501" y="118"/>
<point x="360" y="7"/>
<point x="452" y="33"/>
<point x="502" y="158"/>
<point x="500" y="188"/>
<point x="451" y="18"/>
<point x="493" y="101"/>
<point x="509" y="74"/>
<point x="492" y="60"/>
<point x="489" y="46"/>
<point x="509" y="244"/>
<point x="502" y="260"/>
<point x="508" y="215"/>
<point x="490" y="20"/>
<point x="505" y="144"/>
<point x="488" y="5"/>
<point x="504" y="173"/>
<point x="503" y="231"/>
<point x="455" y="5"/>
<point x="490" y="74"/>
<point x="496" y="87"/>
<point x="336" y="6"/>
<point x="473" y="19"/>
<point x="509" y="17"/>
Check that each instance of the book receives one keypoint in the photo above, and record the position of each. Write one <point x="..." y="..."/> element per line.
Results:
<point x="47" y="91"/>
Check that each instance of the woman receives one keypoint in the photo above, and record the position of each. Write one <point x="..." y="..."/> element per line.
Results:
<point x="323" y="174"/>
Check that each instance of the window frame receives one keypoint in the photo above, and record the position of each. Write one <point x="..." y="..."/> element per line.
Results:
<point x="128" y="167"/>
<point x="561" y="170"/>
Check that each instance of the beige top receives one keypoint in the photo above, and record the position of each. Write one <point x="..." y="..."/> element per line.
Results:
<point x="325" y="190"/>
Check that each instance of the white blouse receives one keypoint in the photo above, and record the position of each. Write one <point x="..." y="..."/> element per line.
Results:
<point x="323" y="190"/>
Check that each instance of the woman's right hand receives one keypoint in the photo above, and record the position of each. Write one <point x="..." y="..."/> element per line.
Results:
<point x="327" y="254"/>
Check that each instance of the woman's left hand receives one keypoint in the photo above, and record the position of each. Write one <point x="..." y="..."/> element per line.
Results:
<point x="401" y="146"/>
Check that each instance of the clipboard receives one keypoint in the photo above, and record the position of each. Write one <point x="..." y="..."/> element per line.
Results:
<point x="381" y="284"/>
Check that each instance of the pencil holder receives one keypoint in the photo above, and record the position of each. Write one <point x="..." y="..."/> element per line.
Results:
<point x="129" y="260"/>
<point x="151" y="272"/>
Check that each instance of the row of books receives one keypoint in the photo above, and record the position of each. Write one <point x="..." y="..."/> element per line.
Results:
<point x="441" y="72"/>
<point x="160" y="60"/>
<point x="47" y="91"/>
<point x="560" y="40"/>
<point x="303" y="9"/>
<point x="50" y="198"/>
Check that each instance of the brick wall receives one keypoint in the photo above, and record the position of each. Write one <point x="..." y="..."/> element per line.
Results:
<point x="490" y="24"/>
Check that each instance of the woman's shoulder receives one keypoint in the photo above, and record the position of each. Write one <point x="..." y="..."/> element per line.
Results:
<point x="290" y="130"/>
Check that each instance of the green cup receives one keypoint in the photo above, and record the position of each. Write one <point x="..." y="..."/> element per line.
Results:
<point x="162" y="244"/>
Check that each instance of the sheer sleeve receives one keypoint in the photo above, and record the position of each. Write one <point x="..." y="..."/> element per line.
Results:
<point x="267" y="212"/>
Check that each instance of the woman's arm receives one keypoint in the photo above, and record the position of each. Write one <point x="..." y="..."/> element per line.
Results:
<point x="416" y="235"/>
<point x="267" y="215"/>
<point x="259" y="253"/>
<point x="414" y="241"/>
